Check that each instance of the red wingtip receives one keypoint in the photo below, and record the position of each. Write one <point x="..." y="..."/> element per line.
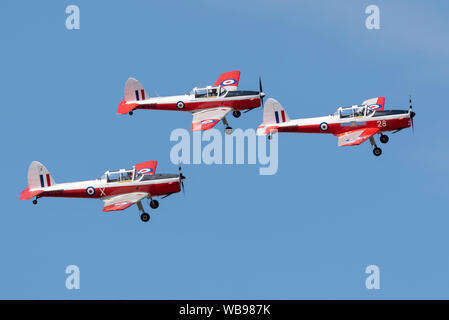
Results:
<point x="124" y="108"/>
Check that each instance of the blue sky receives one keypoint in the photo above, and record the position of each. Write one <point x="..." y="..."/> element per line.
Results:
<point x="307" y="232"/>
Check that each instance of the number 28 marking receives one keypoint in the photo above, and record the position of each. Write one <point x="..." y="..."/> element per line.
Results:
<point x="381" y="123"/>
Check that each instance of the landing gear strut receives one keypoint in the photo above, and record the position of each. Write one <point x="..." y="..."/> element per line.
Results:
<point x="145" y="217"/>
<point x="228" y="129"/>
<point x="236" y="114"/>
<point x="384" y="138"/>
<point x="376" y="151"/>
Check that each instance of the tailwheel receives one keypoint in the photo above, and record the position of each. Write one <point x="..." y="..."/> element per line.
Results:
<point x="228" y="130"/>
<point x="384" y="138"/>
<point x="270" y="136"/>
<point x="145" y="217"/>
<point x="35" y="201"/>
<point x="130" y="113"/>
<point x="236" y="114"/>
<point x="154" y="204"/>
<point x="377" y="151"/>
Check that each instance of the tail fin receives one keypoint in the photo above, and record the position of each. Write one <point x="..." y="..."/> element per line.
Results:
<point x="273" y="114"/>
<point x="375" y="103"/>
<point x="134" y="92"/>
<point x="38" y="178"/>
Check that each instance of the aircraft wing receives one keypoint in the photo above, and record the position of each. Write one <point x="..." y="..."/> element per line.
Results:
<point x="229" y="80"/>
<point x="207" y="119"/>
<point x="122" y="201"/>
<point x="356" y="137"/>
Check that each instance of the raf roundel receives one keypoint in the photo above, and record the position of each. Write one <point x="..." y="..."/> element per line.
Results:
<point x="324" y="126"/>
<point x="228" y="82"/>
<point x="208" y="121"/>
<point x="180" y="105"/>
<point x="90" y="191"/>
<point x="145" y="171"/>
<point x="375" y="106"/>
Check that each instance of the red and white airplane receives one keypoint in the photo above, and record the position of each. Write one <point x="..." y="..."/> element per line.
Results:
<point x="352" y="125"/>
<point x="208" y="105"/>
<point x="118" y="189"/>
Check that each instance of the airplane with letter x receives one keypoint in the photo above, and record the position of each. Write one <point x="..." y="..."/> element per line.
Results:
<point x="208" y="105"/>
<point x="352" y="125"/>
<point x="118" y="189"/>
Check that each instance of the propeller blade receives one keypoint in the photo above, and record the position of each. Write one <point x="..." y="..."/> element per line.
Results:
<point x="261" y="93"/>
<point x="412" y="114"/>
<point x="181" y="178"/>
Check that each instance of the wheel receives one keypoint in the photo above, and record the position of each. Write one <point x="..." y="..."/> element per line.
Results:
<point x="154" y="204"/>
<point x="34" y="201"/>
<point x="228" y="130"/>
<point x="377" y="151"/>
<point x="384" y="138"/>
<point x="145" y="217"/>
<point x="130" y="113"/>
<point x="236" y="114"/>
<point x="270" y="137"/>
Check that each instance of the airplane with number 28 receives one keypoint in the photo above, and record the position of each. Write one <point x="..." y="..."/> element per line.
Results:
<point x="118" y="189"/>
<point x="208" y="105"/>
<point x="352" y="125"/>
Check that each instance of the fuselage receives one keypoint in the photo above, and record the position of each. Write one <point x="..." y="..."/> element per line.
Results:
<point x="238" y="100"/>
<point x="387" y="120"/>
<point x="156" y="185"/>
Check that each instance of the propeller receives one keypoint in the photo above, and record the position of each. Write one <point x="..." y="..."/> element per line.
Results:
<point x="411" y="113"/>
<point x="261" y="93"/>
<point x="181" y="177"/>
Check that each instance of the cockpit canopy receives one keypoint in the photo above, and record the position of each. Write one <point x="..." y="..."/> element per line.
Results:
<point x="121" y="175"/>
<point x="354" y="112"/>
<point x="209" y="92"/>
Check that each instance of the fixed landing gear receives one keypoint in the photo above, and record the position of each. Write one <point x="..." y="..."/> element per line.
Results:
<point x="145" y="217"/>
<point x="130" y="113"/>
<point x="228" y="129"/>
<point x="154" y="204"/>
<point x="384" y="138"/>
<point x="236" y="114"/>
<point x="35" y="200"/>
<point x="376" y="151"/>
